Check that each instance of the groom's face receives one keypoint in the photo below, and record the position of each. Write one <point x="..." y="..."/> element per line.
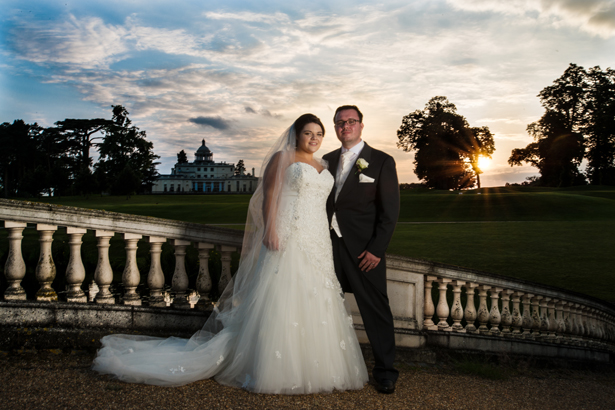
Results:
<point x="349" y="135"/>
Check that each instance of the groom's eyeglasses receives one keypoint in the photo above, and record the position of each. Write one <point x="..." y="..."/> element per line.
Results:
<point x="342" y="124"/>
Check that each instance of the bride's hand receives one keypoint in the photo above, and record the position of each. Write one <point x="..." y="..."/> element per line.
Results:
<point x="271" y="241"/>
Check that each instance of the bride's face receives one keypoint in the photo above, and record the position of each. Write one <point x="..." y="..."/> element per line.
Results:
<point x="310" y="138"/>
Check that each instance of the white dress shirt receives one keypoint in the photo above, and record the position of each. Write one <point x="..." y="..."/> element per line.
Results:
<point x="342" y="175"/>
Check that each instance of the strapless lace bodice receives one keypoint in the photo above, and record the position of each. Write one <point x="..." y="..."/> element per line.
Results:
<point x="303" y="214"/>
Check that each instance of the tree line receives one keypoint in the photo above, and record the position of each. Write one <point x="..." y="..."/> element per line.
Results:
<point x="578" y="124"/>
<point x="57" y="160"/>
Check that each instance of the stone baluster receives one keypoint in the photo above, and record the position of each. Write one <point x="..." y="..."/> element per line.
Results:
<point x="568" y="323"/>
<point x="494" y="315"/>
<point x="155" y="276"/>
<point x="203" y="280"/>
<point x="180" y="277"/>
<point x="103" y="275"/>
<point x="578" y="317"/>
<point x="536" y="316"/>
<point x="442" y="310"/>
<point x="591" y="323"/>
<point x="552" y="319"/>
<point x="225" y="275"/>
<point x="75" y="272"/>
<point x="15" y="267"/>
<point x="527" y="316"/>
<point x="584" y="327"/>
<point x="131" y="276"/>
<point x="45" y="268"/>
<point x="483" y="311"/>
<point x="517" y="318"/>
<point x="430" y="309"/>
<point x="544" y="317"/>
<point x="560" y="326"/>
<point x="457" y="309"/>
<point x="470" y="310"/>
<point x="506" y="316"/>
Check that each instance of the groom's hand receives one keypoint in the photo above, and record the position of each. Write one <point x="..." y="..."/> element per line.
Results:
<point x="368" y="262"/>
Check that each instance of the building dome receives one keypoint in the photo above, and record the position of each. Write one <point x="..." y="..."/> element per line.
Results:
<point x="203" y="154"/>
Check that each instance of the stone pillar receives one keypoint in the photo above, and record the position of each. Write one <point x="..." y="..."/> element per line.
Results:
<point x="442" y="310"/>
<point x="527" y="316"/>
<point x="155" y="276"/>
<point x="15" y="267"/>
<point x="457" y="309"/>
<point x="517" y="318"/>
<point x="552" y="320"/>
<point x="45" y="268"/>
<point x="506" y="316"/>
<point x="75" y="272"/>
<point x="203" y="281"/>
<point x="470" y="310"/>
<point x="536" y="316"/>
<point x="429" y="310"/>
<point x="544" y="317"/>
<point x="560" y="324"/>
<point x="225" y="275"/>
<point x="568" y="324"/>
<point x="180" y="277"/>
<point x="483" y="311"/>
<point x="494" y="315"/>
<point x="131" y="276"/>
<point x="103" y="274"/>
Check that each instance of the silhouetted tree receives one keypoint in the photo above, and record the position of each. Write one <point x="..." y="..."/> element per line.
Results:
<point x="125" y="146"/>
<point x="599" y="128"/>
<point x="447" y="148"/>
<point x="240" y="167"/>
<point x="579" y="122"/>
<point x="182" y="158"/>
<point x="22" y="159"/>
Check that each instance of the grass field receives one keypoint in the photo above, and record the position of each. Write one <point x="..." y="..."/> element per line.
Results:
<point x="559" y="237"/>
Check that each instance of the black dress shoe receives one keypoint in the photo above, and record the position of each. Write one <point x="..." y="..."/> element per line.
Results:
<point x="385" y="386"/>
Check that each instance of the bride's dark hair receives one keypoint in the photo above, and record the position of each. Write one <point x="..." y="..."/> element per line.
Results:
<point x="306" y="119"/>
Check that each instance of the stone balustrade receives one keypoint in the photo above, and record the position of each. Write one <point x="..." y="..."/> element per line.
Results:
<point x="48" y="218"/>
<point x="433" y="304"/>
<point x="467" y="302"/>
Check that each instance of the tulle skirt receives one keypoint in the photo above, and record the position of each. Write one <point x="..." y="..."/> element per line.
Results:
<point x="289" y="334"/>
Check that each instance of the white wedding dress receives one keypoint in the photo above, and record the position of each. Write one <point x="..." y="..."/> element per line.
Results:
<point x="290" y="333"/>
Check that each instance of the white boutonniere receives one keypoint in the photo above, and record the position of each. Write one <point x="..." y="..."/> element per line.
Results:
<point x="361" y="165"/>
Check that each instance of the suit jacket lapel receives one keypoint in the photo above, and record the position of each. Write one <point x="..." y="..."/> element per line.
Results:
<point x="353" y="177"/>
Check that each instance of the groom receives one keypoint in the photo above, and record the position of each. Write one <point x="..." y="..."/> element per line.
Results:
<point x="363" y="208"/>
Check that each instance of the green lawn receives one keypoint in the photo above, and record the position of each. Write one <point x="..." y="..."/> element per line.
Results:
<point x="559" y="237"/>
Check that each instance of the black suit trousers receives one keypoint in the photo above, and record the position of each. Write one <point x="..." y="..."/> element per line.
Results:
<point x="374" y="308"/>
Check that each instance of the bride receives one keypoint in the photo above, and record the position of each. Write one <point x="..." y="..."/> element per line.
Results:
<point x="280" y="326"/>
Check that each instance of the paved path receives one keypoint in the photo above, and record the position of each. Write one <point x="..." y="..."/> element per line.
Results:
<point x="56" y="380"/>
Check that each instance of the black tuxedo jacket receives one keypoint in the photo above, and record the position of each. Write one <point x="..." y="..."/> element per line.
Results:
<point x="367" y="212"/>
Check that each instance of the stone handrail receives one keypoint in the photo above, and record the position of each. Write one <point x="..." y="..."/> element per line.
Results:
<point x="433" y="304"/>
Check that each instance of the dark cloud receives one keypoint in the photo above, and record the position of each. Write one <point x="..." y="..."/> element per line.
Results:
<point x="250" y="110"/>
<point x="214" y="122"/>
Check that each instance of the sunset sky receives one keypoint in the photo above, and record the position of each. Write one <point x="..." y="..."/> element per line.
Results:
<point x="237" y="73"/>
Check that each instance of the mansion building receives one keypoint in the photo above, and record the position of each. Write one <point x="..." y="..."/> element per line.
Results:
<point x="204" y="176"/>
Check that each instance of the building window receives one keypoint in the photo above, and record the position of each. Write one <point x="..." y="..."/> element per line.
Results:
<point x="244" y="187"/>
<point x="228" y="188"/>
<point x="198" y="169"/>
<point x="172" y="188"/>
<point x="212" y="170"/>
<point x="165" y="187"/>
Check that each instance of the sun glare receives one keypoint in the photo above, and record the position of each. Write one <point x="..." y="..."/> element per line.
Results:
<point x="484" y="163"/>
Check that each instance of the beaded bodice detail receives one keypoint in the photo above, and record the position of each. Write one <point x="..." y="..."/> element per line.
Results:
<point x="303" y="212"/>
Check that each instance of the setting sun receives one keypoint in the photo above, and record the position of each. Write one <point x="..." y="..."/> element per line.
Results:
<point x="484" y="163"/>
